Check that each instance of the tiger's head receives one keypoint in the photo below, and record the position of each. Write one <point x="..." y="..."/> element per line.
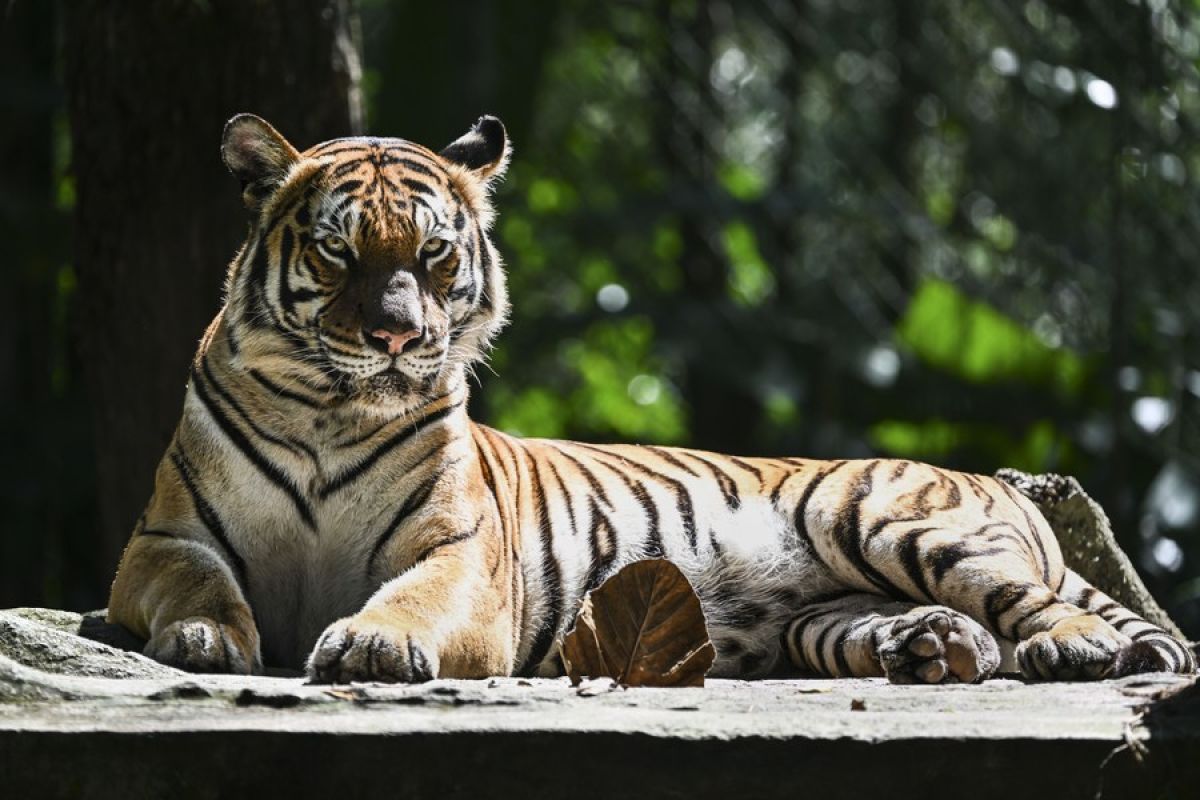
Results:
<point x="367" y="270"/>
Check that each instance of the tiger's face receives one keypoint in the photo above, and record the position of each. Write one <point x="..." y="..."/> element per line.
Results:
<point x="368" y="265"/>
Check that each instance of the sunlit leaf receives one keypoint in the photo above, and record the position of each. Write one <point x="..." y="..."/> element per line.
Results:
<point x="642" y="627"/>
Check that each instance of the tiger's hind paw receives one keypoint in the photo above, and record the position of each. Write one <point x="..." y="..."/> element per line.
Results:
<point x="935" y="644"/>
<point x="1080" y="648"/>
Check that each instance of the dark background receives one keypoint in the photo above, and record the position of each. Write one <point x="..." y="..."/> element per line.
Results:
<point x="962" y="232"/>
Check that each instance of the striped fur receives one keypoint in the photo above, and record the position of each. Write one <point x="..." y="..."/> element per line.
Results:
<point x="327" y="504"/>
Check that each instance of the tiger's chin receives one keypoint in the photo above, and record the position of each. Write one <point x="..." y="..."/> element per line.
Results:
<point x="391" y="392"/>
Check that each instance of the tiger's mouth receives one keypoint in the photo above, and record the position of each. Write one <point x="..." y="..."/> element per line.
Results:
<point x="391" y="380"/>
<point x="375" y="380"/>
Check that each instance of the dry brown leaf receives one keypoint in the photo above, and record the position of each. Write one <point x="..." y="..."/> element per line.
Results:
<point x="641" y="627"/>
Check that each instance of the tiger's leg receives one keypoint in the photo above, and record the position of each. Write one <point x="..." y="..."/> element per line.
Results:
<point x="439" y="618"/>
<point x="1151" y="649"/>
<point x="184" y="599"/>
<point x="1001" y="581"/>
<point x="865" y="635"/>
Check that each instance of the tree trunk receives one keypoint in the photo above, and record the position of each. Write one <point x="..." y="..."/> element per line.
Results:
<point x="37" y="492"/>
<point x="157" y="217"/>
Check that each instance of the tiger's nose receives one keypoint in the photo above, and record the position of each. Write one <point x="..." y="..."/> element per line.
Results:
<point x="391" y="342"/>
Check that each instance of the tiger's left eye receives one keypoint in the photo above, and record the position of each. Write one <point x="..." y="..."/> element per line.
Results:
<point x="432" y="246"/>
<point x="334" y="244"/>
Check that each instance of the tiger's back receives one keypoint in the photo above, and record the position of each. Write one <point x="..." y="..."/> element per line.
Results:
<point x="759" y="538"/>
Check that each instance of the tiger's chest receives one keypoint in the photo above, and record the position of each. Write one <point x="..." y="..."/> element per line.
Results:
<point x="305" y="553"/>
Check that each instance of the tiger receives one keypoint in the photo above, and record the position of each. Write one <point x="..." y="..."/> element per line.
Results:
<point x="326" y="506"/>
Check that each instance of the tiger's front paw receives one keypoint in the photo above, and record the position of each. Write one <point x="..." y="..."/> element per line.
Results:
<point x="199" y="644"/>
<point x="352" y="650"/>
<point x="935" y="644"/>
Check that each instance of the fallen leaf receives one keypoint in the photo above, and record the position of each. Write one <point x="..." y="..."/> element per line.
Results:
<point x="641" y="627"/>
<point x="858" y="705"/>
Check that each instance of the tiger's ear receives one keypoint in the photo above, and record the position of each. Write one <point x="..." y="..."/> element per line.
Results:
<point x="484" y="149"/>
<point x="257" y="155"/>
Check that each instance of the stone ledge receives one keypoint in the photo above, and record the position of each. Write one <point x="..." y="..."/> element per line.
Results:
<point x="69" y="730"/>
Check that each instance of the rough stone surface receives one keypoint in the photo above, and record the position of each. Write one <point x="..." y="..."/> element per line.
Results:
<point x="108" y="723"/>
<point x="48" y="640"/>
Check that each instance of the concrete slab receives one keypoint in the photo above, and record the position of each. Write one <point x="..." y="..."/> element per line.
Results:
<point x="69" y="729"/>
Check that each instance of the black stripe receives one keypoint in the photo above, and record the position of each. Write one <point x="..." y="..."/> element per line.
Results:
<point x="910" y="559"/>
<point x="654" y="542"/>
<point x="352" y="474"/>
<point x="777" y="490"/>
<point x="208" y="516"/>
<point x="683" y="498"/>
<point x="847" y="531"/>
<point x="156" y="532"/>
<point x="261" y="313"/>
<point x="1033" y="532"/>
<point x="947" y="556"/>
<point x="231" y="338"/>
<point x="288" y="394"/>
<point x="802" y="620"/>
<point x="504" y="456"/>
<point x="257" y="276"/>
<point x="589" y="476"/>
<point x="296" y="447"/>
<point x="666" y="455"/>
<point x="728" y="486"/>
<point x="347" y="186"/>
<point x="551" y="574"/>
<point x="287" y="300"/>
<point x="753" y="470"/>
<point x="839" y="649"/>
<point x="346" y="167"/>
<point x="330" y="149"/>
<point x="819" y="650"/>
<point x="415" y="500"/>
<point x="562" y="488"/>
<point x="954" y="497"/>
<point x="1002" y="599"/>
<point x="1015" y="628"/>
<point x="603" y="552"/>
<point x="457" y="538"/>
<point x="419" y="187"/>
<point x="717" y="550"/>
<point x="416" y="166"/>
<point x="982" y="493"/>
<point x="358" y="439"/>
<point x="798" y="522"/>
<point x="268" y="468"/>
